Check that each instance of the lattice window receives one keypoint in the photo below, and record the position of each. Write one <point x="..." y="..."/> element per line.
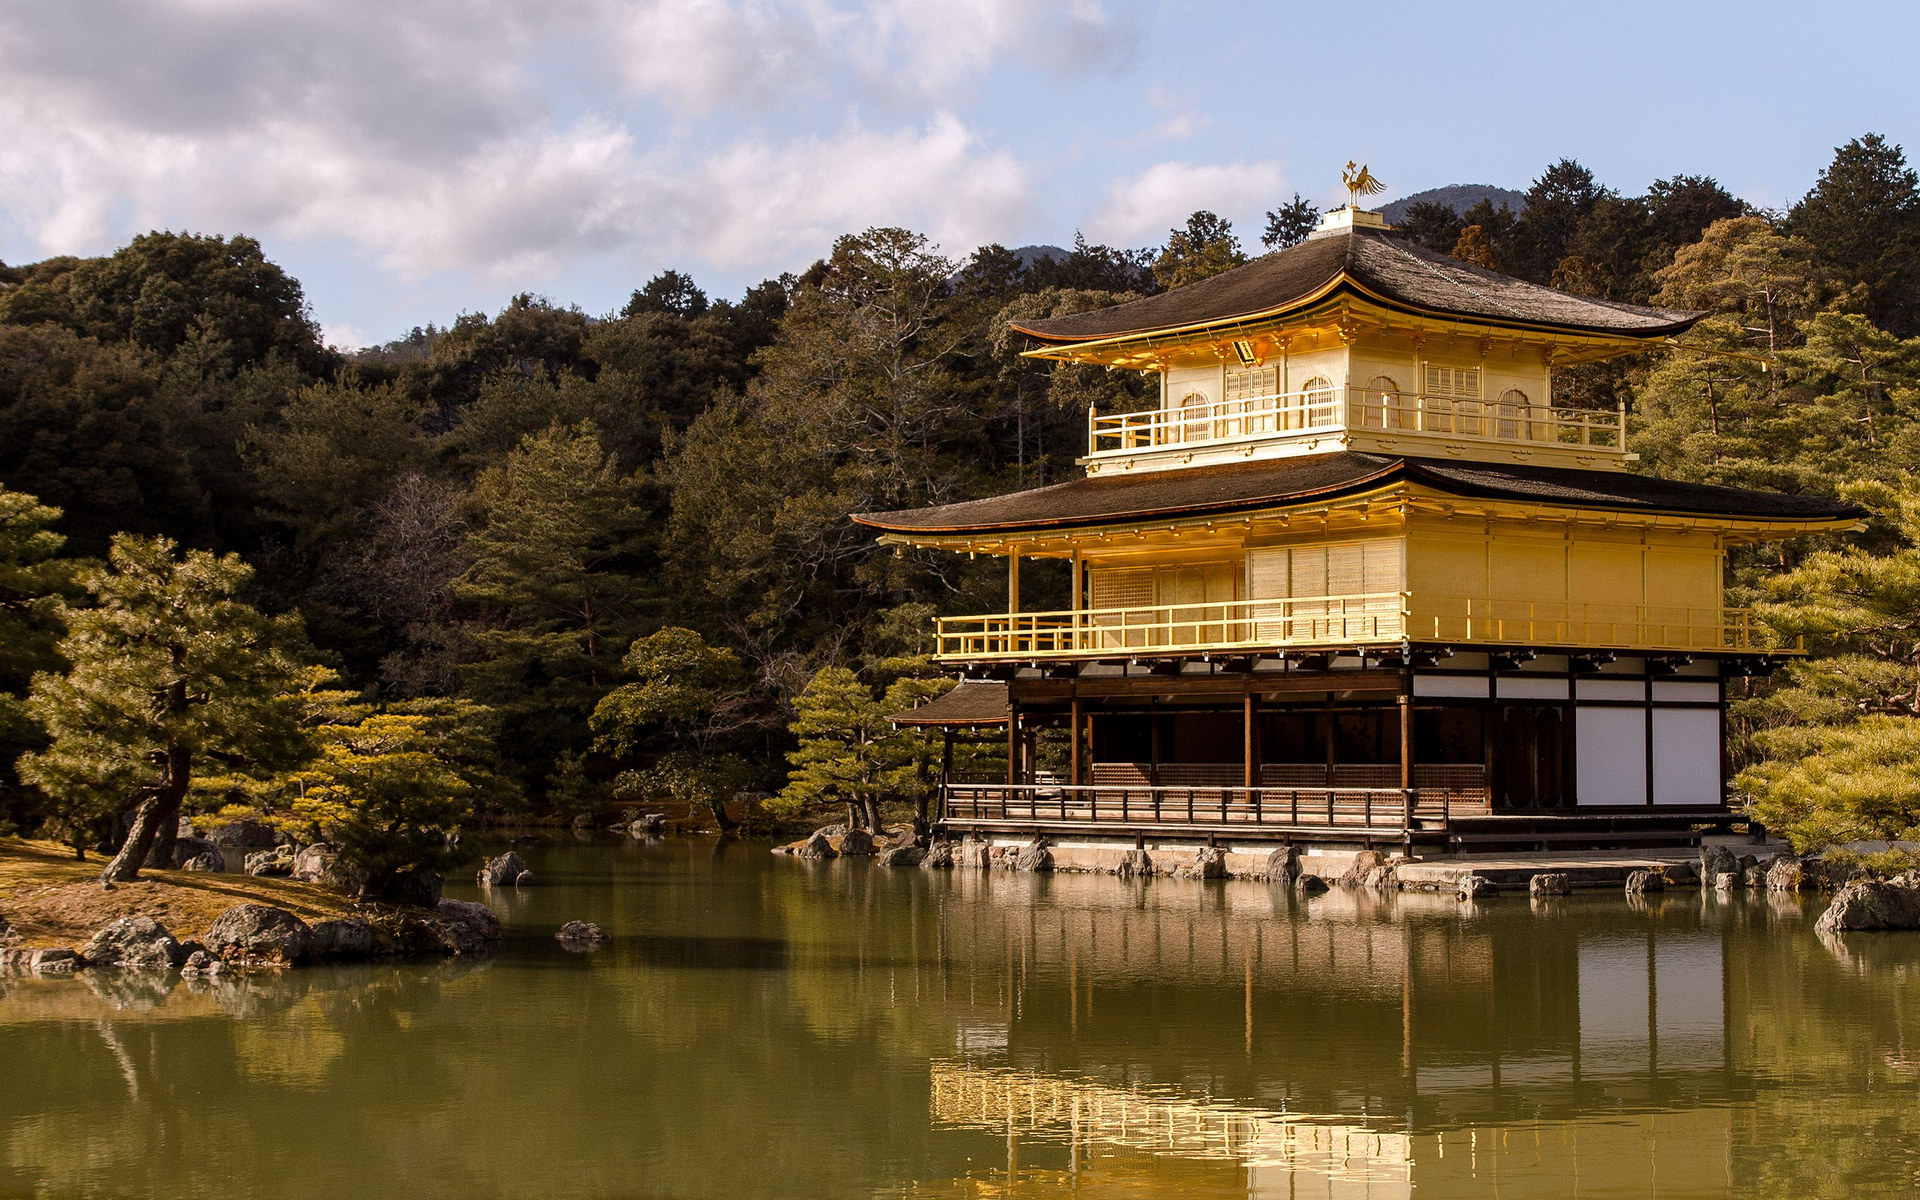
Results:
<point x="1453" y="383"/>
<point x="1121" y="587"/>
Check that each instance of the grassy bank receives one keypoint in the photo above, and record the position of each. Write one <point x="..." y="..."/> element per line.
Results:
<point x="51" y="899"/>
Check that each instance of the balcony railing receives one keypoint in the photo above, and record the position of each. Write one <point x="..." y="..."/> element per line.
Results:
<point x="1315" y="413"/>
<point x="1376" y="810"/>
<point x="1341" y="621"/>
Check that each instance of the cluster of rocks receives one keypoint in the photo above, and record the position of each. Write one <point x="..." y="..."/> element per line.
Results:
<point x="505" y="870"/>
<point x="260" y="935"/>
<point x="1873" y="904"/>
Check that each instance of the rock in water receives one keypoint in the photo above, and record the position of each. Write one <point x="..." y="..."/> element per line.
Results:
<point x="1208" y="862"/>
<point x="1716" y="861"/>
<point x="816" y="846"/>
<point x="1872" y="904"/>
<point x="471" y="928"/>
<point x="259" y="933"/>
<point x="1283" y="865"/>
<point x="1785" y="874"/>
<point x="939" y="856"/>
<point x="902" y="856"/>
<point x="1677" y="874"/>
<point x="977" y="855"/>
<point x="1034" y="856"/>
<point x="1384" y="878"/>
<point x="1726" y="881"/>
<point x="1364" y="862"/>
<point x="1641" y="882"/>
<point x="1135" y="864"/>
<point x="581" y="935"/>
<point x="319" y="863"/>
<point x="1476" y="887"/>
<point x="855" y="843"/>
<point x="141" y="943"/>
<point x="502" y="870"/>
<point x="349" y="938"/>
<point x="1550" y="883"/>
<point x="187" y="849"/>
<point x="1310" y="885"/>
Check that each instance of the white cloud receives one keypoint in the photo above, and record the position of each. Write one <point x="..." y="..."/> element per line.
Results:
<point x="1165" y="194"/>
<point x="506" y="141"/>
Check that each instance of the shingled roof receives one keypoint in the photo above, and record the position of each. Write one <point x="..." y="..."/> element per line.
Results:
<point x="1370" y="262"/>
<point x="1268" y="483"/>
<point x="971" y="703"/>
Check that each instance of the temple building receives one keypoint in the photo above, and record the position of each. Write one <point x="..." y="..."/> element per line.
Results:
<point x="1358" y="576"/>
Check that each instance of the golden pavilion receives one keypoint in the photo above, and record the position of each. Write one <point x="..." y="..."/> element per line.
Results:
<point x="1358" y="577"/>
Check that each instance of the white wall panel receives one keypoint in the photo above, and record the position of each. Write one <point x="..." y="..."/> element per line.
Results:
<point x="1686" y="756"/>
<point x="1610" y="755"/>
<point x="1696" y="693"/>
<point x="1510" y="688"/>
<point x="1450" y="685"/>
<point x="1610" y="689"/>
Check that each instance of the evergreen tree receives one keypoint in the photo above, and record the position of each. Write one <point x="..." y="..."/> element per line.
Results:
<point x="1863" y="220"/>
<point x="1203" y="247"/>
<point x="552" y="588"/>
<point x="34" y="579"/>
<point x="169" y="669"/>
<point x="847" y="752"/>
<point x="1838" y="734"/>
<point x="1290" y="224"/>
<point x="385" y="794"/>
<point x="688" y="696"/>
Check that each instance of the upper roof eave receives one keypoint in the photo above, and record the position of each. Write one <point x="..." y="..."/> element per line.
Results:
<point x="1382" y="266"/>
<point x="1243" y="488"/>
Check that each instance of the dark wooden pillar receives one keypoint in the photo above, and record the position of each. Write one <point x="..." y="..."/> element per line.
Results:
<point x="1013" y="745"/>
<point x="1073" y="741"/>
<point x="1153" y="760"/>
<point x="1251" y="771"/>
<point x="946" y="755"/>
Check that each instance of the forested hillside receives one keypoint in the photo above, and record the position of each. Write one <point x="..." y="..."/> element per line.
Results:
<point x="498" y="533"/>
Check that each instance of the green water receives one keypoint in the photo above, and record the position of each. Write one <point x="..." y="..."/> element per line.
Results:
<point x="760" y="1026"/>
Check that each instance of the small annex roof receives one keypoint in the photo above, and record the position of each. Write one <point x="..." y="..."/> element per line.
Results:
<point x="1271" y="483"/>
<point x="1375" y="263"/>
<point x="971" y="704"/>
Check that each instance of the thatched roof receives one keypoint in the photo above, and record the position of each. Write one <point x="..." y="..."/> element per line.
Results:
<point x="1377" y="263"/>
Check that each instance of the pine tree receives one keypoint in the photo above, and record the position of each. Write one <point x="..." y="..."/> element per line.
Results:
<point x="552" y="585"/>
<point x="688" y="696"/>
<point x="1863" y="219"/>
<point x="33" y="580"/>
<point x="846" y="749"/>
<point x="169" y="668"/>
<point x="1203" y="247"/>
<point x="387" y="795"/>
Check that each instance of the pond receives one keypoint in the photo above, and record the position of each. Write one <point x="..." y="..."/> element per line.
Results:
<point x="765" y="1026"/>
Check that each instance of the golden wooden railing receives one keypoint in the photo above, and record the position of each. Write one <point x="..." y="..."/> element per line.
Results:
<point x="1333" y="622"/>
<point x="1316" y="412"/>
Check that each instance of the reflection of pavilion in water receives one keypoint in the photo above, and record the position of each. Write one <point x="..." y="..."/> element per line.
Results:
<point x="1362" y="1005"/>
<point x="1123" y="1138"/>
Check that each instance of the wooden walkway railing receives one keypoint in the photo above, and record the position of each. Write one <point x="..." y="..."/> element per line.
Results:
<point x="1119" y="809"/>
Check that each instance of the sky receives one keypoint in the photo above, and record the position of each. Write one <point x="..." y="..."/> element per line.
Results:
<point x="409" y="160"/>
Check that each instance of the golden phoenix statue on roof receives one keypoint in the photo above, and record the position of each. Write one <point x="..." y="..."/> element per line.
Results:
<point x="1360" y="182"/>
